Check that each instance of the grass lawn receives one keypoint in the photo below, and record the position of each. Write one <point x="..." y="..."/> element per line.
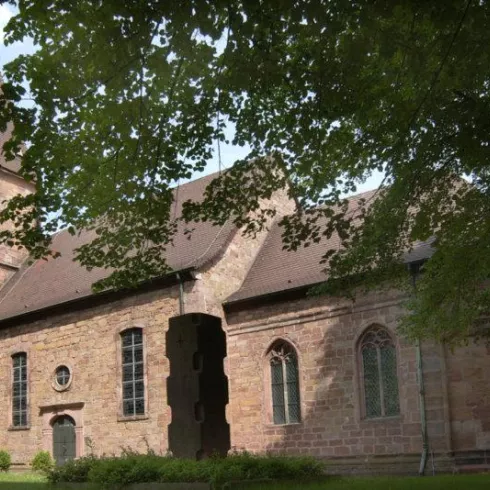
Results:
<point x="32" y="481"/>
<point x="24" y="481"/>
<point x="445" y="482"/>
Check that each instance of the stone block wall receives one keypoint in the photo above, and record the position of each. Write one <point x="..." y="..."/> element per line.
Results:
<point x="325" y="334"/>
<point x="468" y="370"/>
<point x="88" y="343"/>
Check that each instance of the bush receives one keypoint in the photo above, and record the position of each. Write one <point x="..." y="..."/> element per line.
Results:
<point x="5" y="460"/>
<point x="131" y="468"/>
<point x="42" y="461"/>
<point x="138" y="468"/>
<point x="250" y="467"/>
<point x="75" y="470"/>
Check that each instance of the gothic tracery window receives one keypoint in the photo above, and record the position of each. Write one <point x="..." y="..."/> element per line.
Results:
<point x="379" y="373"/>
<point x="283" y="363"/>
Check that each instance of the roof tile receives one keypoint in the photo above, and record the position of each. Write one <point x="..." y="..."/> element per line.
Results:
<point x="276" y="269"/>
<point x="50" y="282"/>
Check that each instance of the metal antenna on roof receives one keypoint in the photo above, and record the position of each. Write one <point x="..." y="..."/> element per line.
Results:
<point x="219" y="150"/>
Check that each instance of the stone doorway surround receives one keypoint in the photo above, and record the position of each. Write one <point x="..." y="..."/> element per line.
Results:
<point x="50" y="413"/>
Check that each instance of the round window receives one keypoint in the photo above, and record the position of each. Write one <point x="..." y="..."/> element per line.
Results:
<point x="62" y="376"/>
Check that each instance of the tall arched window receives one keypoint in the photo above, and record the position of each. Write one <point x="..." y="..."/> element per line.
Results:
<point x="133" y="381"/>
<point x="379" y="373"/>
<point x="19" y="390"/>
<point x="283" y="363"/>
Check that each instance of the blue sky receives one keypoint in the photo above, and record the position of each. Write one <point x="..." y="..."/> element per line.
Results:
<point x="229" y="153"/>
<point x="8" y="53"/>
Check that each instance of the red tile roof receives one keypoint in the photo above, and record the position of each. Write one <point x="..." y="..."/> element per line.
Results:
<point x="277" y="270"/>
<point x="56" y="281"/>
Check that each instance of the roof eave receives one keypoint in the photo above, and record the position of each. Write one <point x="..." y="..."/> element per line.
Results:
<point x="286" y="294"/>
<point x="281" y="295"/>
<point x="170" y="279"/>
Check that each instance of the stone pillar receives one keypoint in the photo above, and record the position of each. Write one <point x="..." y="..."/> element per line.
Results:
<point x="197" y="387"/>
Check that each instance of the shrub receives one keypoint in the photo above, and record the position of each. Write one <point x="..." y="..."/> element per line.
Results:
<point x="145" y="468"/>
<point x="251" y="467"/>
<point x="5" y="460"/>
<point x="130" y="468"/>
<point x="72" y="471"/>
<point x="42" y="461"/>
<point x="133" y="468"/>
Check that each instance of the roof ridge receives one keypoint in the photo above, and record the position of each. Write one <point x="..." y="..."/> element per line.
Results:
<point x="9" y="286"/>
<point x="193" y="181"/>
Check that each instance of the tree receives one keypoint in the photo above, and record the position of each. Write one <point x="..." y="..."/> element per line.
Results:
<point x="133" y="96"/>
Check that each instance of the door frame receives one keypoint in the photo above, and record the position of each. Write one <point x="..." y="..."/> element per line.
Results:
<point x="51" y="413"/>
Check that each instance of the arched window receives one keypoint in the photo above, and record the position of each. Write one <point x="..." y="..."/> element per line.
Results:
<point x="19" y="390"/>
<point x="133" y="382"/>
<point x="283" y="363"/>
<point x="379" y="373"/>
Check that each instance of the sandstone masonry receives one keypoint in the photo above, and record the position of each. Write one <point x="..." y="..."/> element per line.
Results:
<point x="324" y="331"/>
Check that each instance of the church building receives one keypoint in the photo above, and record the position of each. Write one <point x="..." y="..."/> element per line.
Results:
<point x="84" y="373"/>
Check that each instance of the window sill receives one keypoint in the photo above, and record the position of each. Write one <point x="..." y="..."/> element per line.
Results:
<point x="273" y="426"/>
<point x="59" y="388"/>
<point x="377" y="420"/>
<point x="132" y="418"/>
<point x="19" y="428"/>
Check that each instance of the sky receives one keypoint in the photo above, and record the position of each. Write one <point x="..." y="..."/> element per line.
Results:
<point x="8" y="53"/>
<point x="229" y="153"/>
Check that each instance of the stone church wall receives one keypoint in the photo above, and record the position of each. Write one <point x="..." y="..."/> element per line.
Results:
<point x="88" y="342"/>
<point x="325" y="333"/>
<point x="468" y="371"/>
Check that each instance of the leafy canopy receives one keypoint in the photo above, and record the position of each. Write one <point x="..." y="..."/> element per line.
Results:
<point x="133" y="96"/>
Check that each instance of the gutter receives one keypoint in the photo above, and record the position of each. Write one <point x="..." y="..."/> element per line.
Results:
<point x="423" y="419"/>
<point x="414" y="270"/>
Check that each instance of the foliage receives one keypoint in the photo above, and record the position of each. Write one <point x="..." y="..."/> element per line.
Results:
<point x="144" y="468"/>
<point x="132" y="97"/>
<point x="75" y="470"/>
<point x="5" y="460"/>
<point x="43" y="462"/>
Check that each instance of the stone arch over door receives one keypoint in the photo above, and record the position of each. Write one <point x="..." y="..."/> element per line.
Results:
<point x="64" y="439"/>
<point x="53" y="412"/>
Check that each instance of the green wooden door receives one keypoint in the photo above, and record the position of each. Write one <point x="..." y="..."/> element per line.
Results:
<point x="64" y="439"/>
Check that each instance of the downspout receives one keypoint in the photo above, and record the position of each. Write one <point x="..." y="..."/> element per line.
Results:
<point x="181" y="294"/>
<point x="420" y="379"/>
<point x="423" y="420"/>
